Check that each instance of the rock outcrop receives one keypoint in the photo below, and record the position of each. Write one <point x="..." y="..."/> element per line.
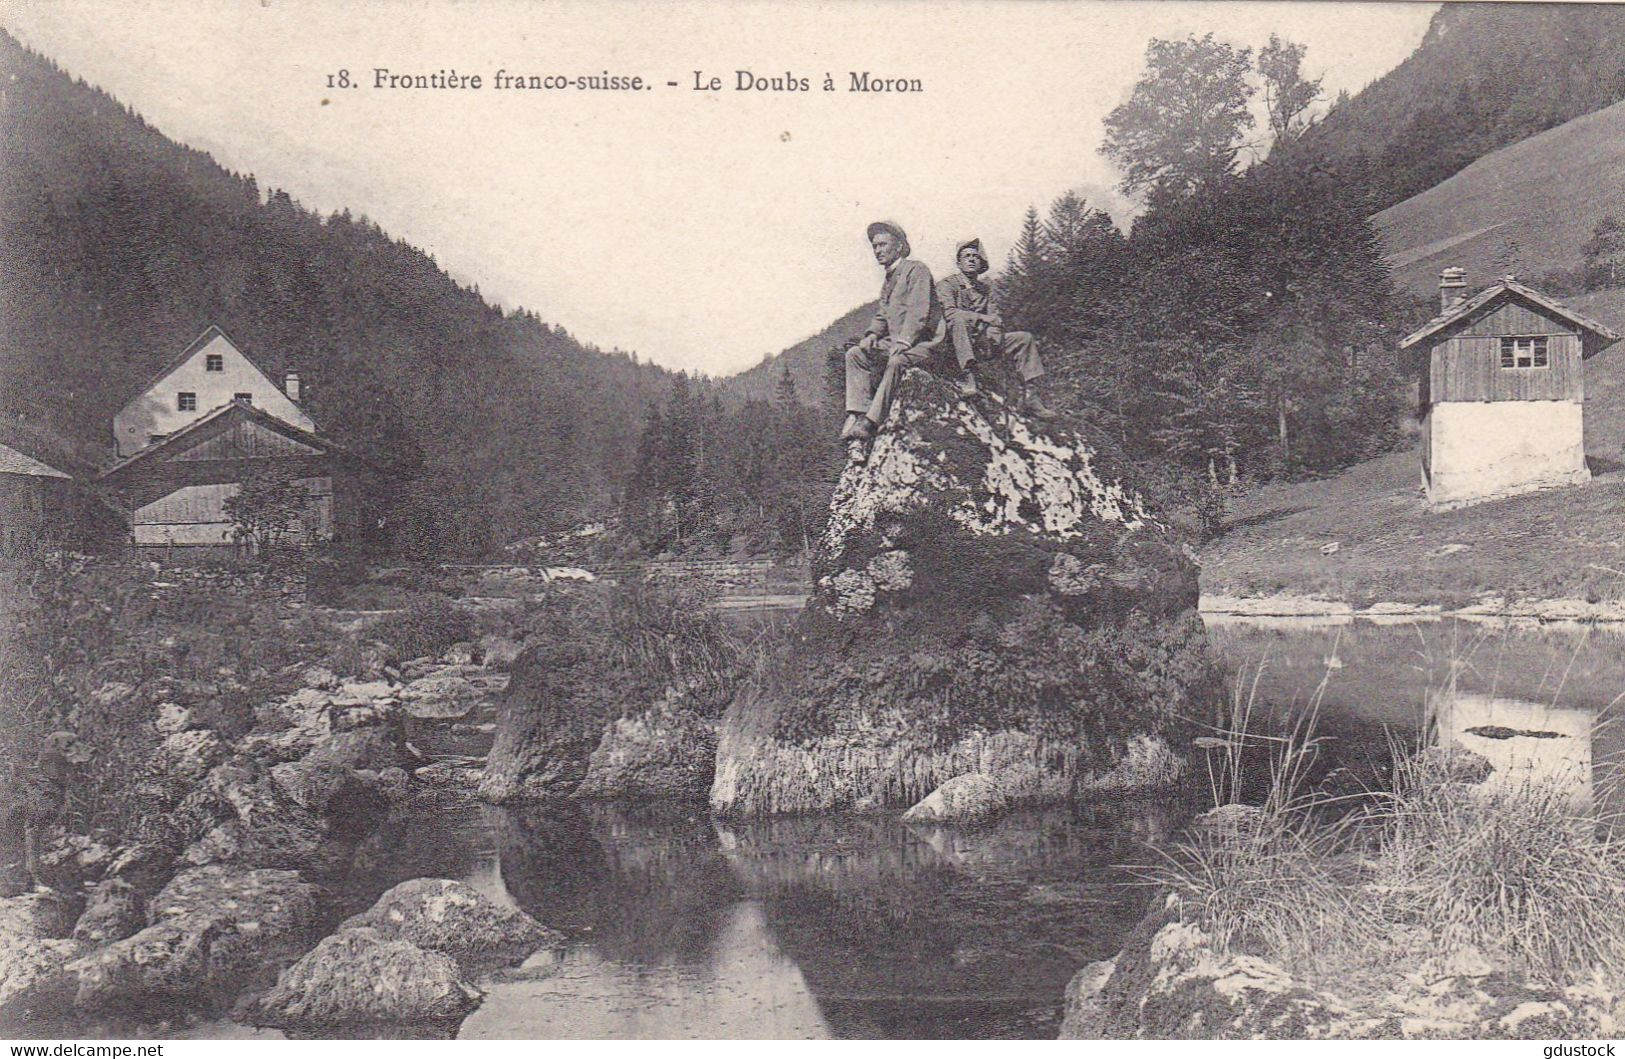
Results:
<point x="666" y="751"/>
<point x="358" y="977"/>
<point x="212" y="931"/>
<point x="451" y="917"/>
<point x="1172" y="980"/>
<point x="991" y="596"/>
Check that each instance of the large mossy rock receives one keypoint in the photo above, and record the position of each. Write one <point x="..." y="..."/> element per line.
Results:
<point x="991" y="596"/>
<point x="446" y="916"/>
<point x="359" y="977"/>
<point x="213" y="932"/>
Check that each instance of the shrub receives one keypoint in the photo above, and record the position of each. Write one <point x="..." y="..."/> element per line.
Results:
<point x="427" y="627"/>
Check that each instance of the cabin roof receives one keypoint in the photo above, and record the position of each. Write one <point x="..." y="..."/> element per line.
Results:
<point x="14" y="462"/>
<point x="1510" y="287"/>
<point x="175" y="441"/>
<point x="209" y="334"/>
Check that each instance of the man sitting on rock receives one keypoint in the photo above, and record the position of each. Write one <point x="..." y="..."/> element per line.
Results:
<point x="978" y="331"/>
<point x="904" y="333"/>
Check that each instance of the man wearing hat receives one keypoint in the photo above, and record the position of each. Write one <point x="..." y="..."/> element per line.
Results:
<point x="904" y="333"/>
<point x="978" y="332"/>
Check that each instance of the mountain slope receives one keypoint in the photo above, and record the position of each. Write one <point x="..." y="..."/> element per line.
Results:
<point x="1485" y="75"/>
<point x="1525" y="208"/>
<point x="807" y="361"/>
<point x="118" y="247"/>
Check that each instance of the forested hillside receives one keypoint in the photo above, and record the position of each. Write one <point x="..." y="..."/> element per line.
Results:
<point x="119" y="247"/>
<point x="1485" y="75"/>
<point x="807" y="362"/>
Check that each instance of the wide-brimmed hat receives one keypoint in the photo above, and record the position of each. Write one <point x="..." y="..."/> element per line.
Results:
<point x="889" y="226"/>
<point x="972" y="244"/>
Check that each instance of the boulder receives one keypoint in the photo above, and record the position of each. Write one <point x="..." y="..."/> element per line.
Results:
<point x="991" y="595"/>
<point x="264" y="826"/>
<point x="360" y="976"/>
<point x="462" y="653"/>
<point x="36" y="914"/>
<point x="173" y="718"/>
<point x="184" y="758"/>
<point x="666" y="751"/>
<point x="548" y="724"/>
<point x="440" y="697"/>
<point x="114" y="911"/>
<point x="968" y="797"/>
<point x="1437" y="765"/>
<point x="453" y="918"/>
<point x="34" y="980"/>
<point x="499" y="652"/>
<point x="1080" y="1010"/>
<point x="347" y="801"/>
<point x="214" y="931"/>
<point x="363" y="693"/>
<point x="377" y="747"/>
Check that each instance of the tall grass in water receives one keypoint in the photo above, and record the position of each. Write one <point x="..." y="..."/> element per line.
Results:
<point x="1432" y="875"/>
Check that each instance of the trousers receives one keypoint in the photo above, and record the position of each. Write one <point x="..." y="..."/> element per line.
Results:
<point x="969" y="338"/>
<point x="864" y="395"/>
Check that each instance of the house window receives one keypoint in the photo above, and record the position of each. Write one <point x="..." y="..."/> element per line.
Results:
<point x="246" y="398"/>
<point x="214" y="362"/>
<point x="186" y="401"/>
<point x="1524" y="353"/>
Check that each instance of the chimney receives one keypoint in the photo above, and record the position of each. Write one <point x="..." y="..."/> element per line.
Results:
<point x="1452" y="287"/>
<point x="290" y="386"/>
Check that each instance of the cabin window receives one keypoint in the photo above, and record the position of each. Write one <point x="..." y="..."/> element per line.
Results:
<point x="1524" y="352"/>
<point x="185" y="401"/>
<point x="214" y="362"/>
<point x="246" y="398"/>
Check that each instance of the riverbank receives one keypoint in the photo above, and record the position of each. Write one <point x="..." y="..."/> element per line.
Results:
<point x="1366" y="540"/>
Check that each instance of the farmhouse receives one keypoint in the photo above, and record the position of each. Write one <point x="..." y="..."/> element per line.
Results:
<point x="1502" y="391"/>
<point x="210" y="420"/>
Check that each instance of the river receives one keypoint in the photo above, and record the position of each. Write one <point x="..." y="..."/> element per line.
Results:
<point x="863" y="926"/>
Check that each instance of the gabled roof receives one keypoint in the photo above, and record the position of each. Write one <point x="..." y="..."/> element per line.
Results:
<point x="1465" y="308"/>
<point x="14" y="462"/>
<point x="244" y="409"/>
<point x="209" y="334"/>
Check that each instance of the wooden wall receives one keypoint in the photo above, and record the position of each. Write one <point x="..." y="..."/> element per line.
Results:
<point x="1468" y="368"/>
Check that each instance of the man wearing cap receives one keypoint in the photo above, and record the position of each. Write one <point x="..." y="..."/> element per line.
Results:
<point x="978" y="331"/>
<point x="904" y="333"/>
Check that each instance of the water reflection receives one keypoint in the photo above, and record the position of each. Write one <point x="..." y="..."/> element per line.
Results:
<point x="1536" y="699"/>
<point x="808" y="927"/>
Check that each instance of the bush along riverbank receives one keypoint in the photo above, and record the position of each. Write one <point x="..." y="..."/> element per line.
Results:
<point x="1454" y="907"/>
<point x="191" y="771"/>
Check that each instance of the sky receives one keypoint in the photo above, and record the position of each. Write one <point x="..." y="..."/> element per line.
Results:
<point x="701" y="229"/>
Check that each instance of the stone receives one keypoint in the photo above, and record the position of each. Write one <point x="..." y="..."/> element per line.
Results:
<point x="34" y="981"/>
<point x="173" y="718"/>
<point x="968" y="797"/>
<point x="977" y="551"/>
<point x="543" y="742"/>
<point x="440" y="697"/>
<point x="185" y="758"/>
<point x="214" y="931"/>
<point x="267" y="828"/>
<point x="450" y="775"/>
<point x="363" y="693"/>
<point x="320" y="677"/>
<point x="666" y="751"/>
<point x="454" y="918"/>
<point x="145" y="865"/>
<point x="35" y="915"/>
<point x="499" y="652"/>
<point x="114" y="911"/>
<point x="461" y="654"/>
<point x="339" y="795"/>
<point x="1437" y="765"/>
<point x="1080" y="1010"/>
<point x="377" y="747"/>
<point x="359" y="976"/>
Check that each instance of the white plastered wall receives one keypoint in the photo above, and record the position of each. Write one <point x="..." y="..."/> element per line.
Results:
<point x="1484" y="449"/>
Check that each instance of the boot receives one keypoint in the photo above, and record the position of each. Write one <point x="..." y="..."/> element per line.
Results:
<point x="967" y="382"/>
<point x="1034" y="406"/>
